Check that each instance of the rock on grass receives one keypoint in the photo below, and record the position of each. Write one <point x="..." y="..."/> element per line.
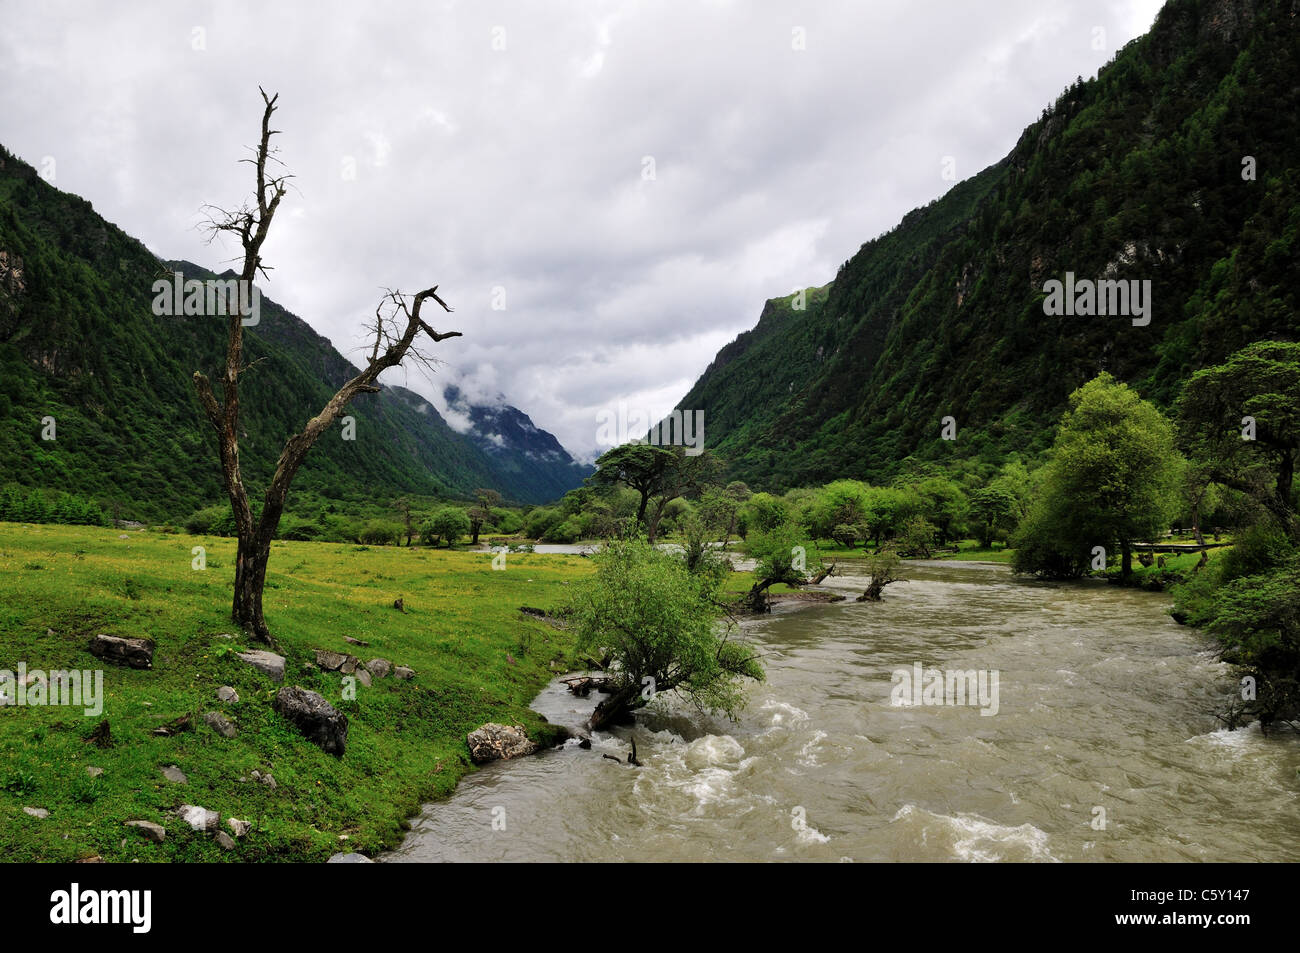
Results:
<point x="318" y="720"/>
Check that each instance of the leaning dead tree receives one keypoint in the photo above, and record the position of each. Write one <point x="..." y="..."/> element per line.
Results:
<point x="397" y="325"/>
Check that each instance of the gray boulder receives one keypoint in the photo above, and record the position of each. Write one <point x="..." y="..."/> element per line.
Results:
<point x="379" y="667"/>
<point x="134" y="653"/>
<point x="494" y="742"/>
<point x="318" y="720"/>
<point x="330" y="661"/>
<point x="220" y="724"/>
<point x="151" y="831"/>
<point x="349" y="859"/>
<point x="404" y="673"/>
<point x="264" y="661"/>
<point x="228" y="695"/>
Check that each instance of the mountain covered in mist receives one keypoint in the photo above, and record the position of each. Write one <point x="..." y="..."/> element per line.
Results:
<point x="79" y="342"/>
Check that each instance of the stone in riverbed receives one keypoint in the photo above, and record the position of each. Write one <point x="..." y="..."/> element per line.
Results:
<point x="135" y="653"/>
<point x="318" y="720"/>
<point x="493" y="742"/>
<point x="264" y="661"/>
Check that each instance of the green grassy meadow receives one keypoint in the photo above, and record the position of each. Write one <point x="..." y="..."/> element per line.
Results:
<point x="476" y="657"/>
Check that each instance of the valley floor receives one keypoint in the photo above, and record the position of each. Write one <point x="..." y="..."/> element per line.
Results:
<point x="476" y="658"/>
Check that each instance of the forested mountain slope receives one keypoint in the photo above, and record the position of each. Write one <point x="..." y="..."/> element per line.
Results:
<point x="79" y="342"/>
<point x="1178" y="164"/>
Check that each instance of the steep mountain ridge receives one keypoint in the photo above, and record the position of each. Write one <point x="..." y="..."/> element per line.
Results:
<point x="79" y="343"/>
<point x="1139" y="174"/>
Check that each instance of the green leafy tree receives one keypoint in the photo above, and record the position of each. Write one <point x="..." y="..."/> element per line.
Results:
<point x="449" y="523"/>
<point x="995" y="512"/>
<point x="781" y="555"/>
<point x="767" y="512"/>
<point x="1113" y="479"/>
<point x="1259" y="384"/>
<point x="662" y="627"/>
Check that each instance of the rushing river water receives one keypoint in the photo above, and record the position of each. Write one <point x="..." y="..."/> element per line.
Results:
<point x="1103" y="702"/>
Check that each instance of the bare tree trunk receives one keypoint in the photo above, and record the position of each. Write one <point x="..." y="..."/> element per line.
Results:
<point x="615" y="708"/>
<point x="255" y="535"/>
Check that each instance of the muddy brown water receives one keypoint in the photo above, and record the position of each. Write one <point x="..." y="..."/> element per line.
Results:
<point x="1103" y="702"/>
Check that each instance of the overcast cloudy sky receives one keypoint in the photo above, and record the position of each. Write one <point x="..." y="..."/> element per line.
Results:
<point x="507" y="148"/>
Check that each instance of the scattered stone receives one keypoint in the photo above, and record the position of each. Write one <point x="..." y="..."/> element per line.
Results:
<point x="317" y="719"/>
<point x="330" y="661"/>
<point x="228" y="695"/>
<point x="49" y="631"/>
<point x="349" y="667"/>
<point x="226" y="635"/>
<point x="404" y="673"/>
<point x="363" y="677"/>
<point x="96" y="859"/>
<point x="37" y="812"/>
<point x="123" y="536"/>
<point x="348" y="638"/>
<point x="349" y="859"/>
<point x="151" y="831"/>
<point x="199" y="818"/>
<point x="267" y="662"/>
<point x="237" y="827"/>
<point x="136" y="653"/>
<point x="220" y="724"/>
<point x="175" y="775"/>
<point x="493" y="742"/>
<point x="225" y="840"/>
<point x="380" y="667"/>
<point x="269" y="781"/>
<point x="94" y="772"/>
<point x="174" y="727"/>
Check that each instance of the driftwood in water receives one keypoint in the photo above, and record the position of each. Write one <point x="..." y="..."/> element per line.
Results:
<point x="582" y="685"/>
<point x="827" y="572"/>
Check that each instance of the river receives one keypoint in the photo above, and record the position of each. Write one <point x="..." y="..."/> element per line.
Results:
<point x="1104" y="746"/>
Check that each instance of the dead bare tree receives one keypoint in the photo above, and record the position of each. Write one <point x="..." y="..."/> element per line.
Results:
<point x="392" y="344"/>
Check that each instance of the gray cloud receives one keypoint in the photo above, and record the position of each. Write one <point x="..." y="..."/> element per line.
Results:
<point x="522" y="168"/>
